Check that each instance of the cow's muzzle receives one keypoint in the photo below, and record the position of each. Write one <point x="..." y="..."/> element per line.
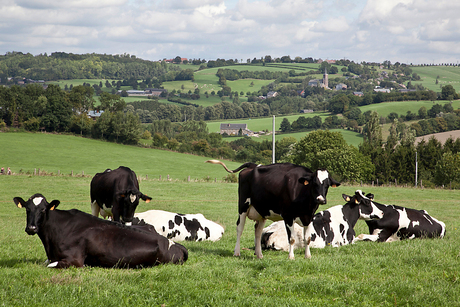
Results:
<point x="321" y="200"/>
<point x="31" y="230"/>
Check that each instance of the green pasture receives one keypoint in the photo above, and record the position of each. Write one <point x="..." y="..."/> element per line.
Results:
<point x="447" y="75"/>
<point x="406" y="273"/>
<point x="64" y="154"/>
<point x="401" y="107"/>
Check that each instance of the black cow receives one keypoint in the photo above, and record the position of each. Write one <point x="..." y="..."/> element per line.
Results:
<point x="116" y="193"/>
<point x="331" y="227"/>
<point x="400" y="223"/>
<point x="76" y="238"/>
<point x="281" y="191"/>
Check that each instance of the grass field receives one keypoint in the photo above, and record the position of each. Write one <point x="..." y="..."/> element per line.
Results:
<point x="447" y="75"/>
<point x="408" y="273"/>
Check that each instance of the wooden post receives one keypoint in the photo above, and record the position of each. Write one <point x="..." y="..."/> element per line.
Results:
<point x="59" y="172"/>
<point x="160" y="177"/>
<point x="71" y="173"/>
<point x="188" y="178"/>
<point x="167" y="178"/>
<point x="35" y="171"/>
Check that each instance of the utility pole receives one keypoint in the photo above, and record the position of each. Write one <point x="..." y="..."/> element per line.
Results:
<point x="416" y="168"/>
<point x="273" y="140"/>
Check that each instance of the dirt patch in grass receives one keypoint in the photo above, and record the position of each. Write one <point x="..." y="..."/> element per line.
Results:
<point x="441" y="137"/>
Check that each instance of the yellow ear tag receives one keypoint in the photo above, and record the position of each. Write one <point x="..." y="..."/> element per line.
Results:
<point x="122" y="195"/>
<point x="305" y="182"/>
<point x="147" y="201"/>
<point x="52" y="208"/>
<point x="19" y="206"/>
<point x="348" y="199"/>
<point x="334" y="186"/>
<point x="356" y="201"/>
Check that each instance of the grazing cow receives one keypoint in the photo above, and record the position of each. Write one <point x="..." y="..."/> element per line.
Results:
<point x="116" y="193"/>
<point x="400" y="223"/>
<point x="180" y="227"/>
<point x="76" y="238"/>
<point x="281" y="191"/>
<point x="331" y="227"/>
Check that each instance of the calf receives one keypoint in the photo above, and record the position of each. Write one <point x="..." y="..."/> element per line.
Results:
<point x="75" y="238"/>
<point x="331" y="227"/>
<point x="281" y="191"/>
<point x="180" y="227"/>
<point x="116" y="193"/>
<point x="400" y="223"/>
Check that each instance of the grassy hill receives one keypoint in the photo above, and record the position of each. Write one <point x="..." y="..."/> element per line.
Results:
<point x="66" y="153"/>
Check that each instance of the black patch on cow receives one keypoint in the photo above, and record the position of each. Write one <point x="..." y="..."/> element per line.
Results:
<point x="192" y="227"/>
<point x="238" y="221"/>
<point x="164" y="229"/>
<point x="171" y="224"/>
<point x="173" y="234"/>
<point x="342" y="228"/>
<point x="207" y="232"/>
<point x="178" y="220"/>
<point x="313" y="237"/>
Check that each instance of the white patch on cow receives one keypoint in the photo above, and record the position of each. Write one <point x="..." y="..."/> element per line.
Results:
<point x="53" y="265"/>
<point x="253" y="214"/>
<point x="320" y="198"/>
<point x="248" y="200"/>
<point x="128" y="223"/>
<point x="37" y="200"/>
<point x="159" y="219"/>
<point x="171" y="243"/>
<point x="376" y="212"/>
<point x="322" y="175"/>
<point x="404" y="220"/>
<point x="416" y="223"/>
<point x="133" y="198"/>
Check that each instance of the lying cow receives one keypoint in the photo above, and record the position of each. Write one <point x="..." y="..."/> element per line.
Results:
<point x="116" y="193"/>
<point x="331" y="227"/>
<point x="180" y="227"/>
<point x="400" y="223"/>
<point x="75" y="238"/>
<point x="281" y="191"/>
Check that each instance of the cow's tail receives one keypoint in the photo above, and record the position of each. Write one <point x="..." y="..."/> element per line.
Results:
<point x="245" y="165"/>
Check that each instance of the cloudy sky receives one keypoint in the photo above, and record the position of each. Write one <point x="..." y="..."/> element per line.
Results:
<point x="408" y="31"/>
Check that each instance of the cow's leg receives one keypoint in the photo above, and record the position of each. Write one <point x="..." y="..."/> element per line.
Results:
<point x="307" y="243"/>
<point x="95" y="209"/>
<point x="364" y="237"/>
<point x="291" y="240"/>
<point x="258" y="237"/>
<point x="239" y="231"/>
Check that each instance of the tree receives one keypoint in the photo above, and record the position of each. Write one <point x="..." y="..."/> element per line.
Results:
<point x="447" y="169"/>
<point x="81" y="98"/>
<point x="111" y="102"/>
<point x="448" y="92"/>
<point x="285" y="125"/>
<point x="325" y="149"/>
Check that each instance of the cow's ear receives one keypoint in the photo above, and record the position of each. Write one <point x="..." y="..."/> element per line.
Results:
<point x="53" y="205"/>
<point x="20" y="203"/>
<point x="334" y="183"/>
<point x="146" y="198"/>
<point x="370" y="196"/>
<point x="346" y="197"/>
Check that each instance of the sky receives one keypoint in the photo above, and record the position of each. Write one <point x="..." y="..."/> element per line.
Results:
<point x="405" y="31"/>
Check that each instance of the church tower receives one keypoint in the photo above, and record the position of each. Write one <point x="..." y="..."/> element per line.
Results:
<point x="325" y="79"/>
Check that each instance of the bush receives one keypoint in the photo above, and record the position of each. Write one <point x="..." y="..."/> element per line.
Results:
<point x="231" y="178"/>
<point x="33" y="124"/>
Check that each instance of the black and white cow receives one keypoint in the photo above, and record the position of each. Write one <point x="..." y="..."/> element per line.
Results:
<point x="76" y="238"/>
<point x="400" y="223"/>
<point x="280" y="191"/>
<point x="182" y="227"/>
<point x="331" y="227"/>
<point x="116" y="193"/>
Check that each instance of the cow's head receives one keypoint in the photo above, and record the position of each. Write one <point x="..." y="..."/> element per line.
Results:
<point x="319" y="182"/>
<point x="129" y="200"/>
<point x="367" y="209"/>
<point x="37" y="209"/>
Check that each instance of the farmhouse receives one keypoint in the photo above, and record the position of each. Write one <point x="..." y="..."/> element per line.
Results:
<point x="235" y="129"/>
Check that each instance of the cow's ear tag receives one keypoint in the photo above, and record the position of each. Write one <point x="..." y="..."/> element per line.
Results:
<point x="122" y="195"/>
<point x="347" y="199"/>
<point x="19" y="205"/>
<point x="52" y="208"/>
<point x="356" y="201"/>
<point x="305" y="182"/>
<point x="334" y="185"/>
<point x="147" y="201"/>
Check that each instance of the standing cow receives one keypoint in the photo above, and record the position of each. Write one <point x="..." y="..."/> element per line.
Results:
<point x="331" y="227"/>
<point x="400" y="223"/>
<point x="280" y="191"/>
<point x="76" y="238"/>
<point x="116" y="193"/>
<point x="182" y="227"/>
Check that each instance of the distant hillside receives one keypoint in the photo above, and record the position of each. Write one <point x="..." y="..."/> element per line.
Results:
<point x="61" y="65"/>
